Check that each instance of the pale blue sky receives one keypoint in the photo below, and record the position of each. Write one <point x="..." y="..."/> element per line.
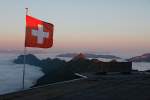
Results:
<point x="81" y="25"/>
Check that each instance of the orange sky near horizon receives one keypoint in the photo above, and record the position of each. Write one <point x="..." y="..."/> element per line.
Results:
<point x="119" y="26"/>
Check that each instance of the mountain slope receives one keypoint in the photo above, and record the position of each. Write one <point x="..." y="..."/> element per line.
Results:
<point x="142" y="58"/>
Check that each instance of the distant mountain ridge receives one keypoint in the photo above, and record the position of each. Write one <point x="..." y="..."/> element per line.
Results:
<point x="143" y="58"/>
<point x="59" y="70"/>
<point x="56" y="69"/>
<point x="88" y="55"/>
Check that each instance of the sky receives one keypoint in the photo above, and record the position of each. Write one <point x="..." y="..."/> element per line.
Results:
<point x="118" y="26"/>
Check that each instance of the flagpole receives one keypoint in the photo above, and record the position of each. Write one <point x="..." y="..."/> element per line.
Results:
<point x="24" y="60"/>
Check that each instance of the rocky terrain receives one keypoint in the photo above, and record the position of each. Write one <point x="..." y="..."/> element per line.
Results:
<point x="57" y="70"/>
<point x="134" y="86"/>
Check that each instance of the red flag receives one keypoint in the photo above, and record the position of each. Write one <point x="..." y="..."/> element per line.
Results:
<point x="38" y="33"/>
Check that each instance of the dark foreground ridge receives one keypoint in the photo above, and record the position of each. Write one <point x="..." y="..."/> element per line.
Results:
<point x="57" y="70"/>
<point x="102" y="87"/>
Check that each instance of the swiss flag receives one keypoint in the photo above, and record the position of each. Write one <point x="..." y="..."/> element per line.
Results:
<point x="38" y="33"/>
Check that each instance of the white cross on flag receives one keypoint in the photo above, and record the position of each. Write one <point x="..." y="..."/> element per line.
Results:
<point x="38" y="33"/>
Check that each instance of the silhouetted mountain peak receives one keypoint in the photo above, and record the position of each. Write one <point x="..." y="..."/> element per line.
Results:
<point x="143" y="58"/>
<point x="80" y="56"/>
<point x="89" y="55"/>
<point x="146" y="55"/>
<point x="29" y="59"/>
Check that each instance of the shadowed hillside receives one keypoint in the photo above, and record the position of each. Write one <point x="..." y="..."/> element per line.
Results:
<point x="59" y="70"/>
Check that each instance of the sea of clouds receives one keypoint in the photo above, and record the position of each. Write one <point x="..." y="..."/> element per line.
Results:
<point x="11" y="74"/>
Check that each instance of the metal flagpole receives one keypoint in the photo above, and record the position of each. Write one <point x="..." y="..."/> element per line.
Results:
<point x="24" y="60"/>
